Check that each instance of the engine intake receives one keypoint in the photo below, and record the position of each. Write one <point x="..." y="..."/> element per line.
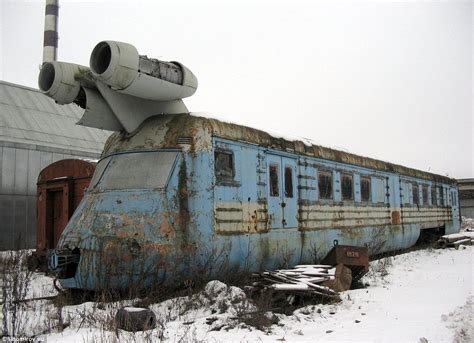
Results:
<point x="121" y="89"/>
<point x="121" y="67"/>
<point x="60" y="80"/>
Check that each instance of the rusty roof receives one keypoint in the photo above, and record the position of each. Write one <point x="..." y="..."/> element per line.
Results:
<point x="163" y="131"/>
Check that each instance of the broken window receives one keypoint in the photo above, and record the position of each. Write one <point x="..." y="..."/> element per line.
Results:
<point x="365" y="188"/>
<point x="346" y="187"/>
<point x="325" y="185"/>
<point x="424" y="191"/>
<point x="288" y="182"/>
<point x="224" y="165"/>
<point x="274" y="191"/>
<point x="415" y="194"/>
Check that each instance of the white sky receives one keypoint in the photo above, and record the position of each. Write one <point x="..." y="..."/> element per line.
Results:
<point x="389" y="80"/>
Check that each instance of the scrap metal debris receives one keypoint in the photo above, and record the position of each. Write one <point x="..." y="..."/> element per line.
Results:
<point x="455" y="240"/>
<point x="308" y="279"/>
<point x="342" y="265"/>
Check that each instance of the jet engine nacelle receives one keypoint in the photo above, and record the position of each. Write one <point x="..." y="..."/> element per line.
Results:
<point x="120" y="66"/>
<point x="60" y="80"/>
<point x="121" y="89"/>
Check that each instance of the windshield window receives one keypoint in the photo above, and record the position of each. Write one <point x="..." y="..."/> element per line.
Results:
<point x="142" y="170"/>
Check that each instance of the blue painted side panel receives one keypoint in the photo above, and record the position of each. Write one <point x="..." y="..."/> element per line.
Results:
<point x="200" y="227"/>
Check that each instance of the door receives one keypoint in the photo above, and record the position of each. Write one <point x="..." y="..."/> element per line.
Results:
<point x="54" y="221"/>
<point x="282" y="202"/>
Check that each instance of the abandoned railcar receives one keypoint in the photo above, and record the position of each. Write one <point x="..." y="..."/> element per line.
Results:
<point x="177" y="196"/>
<point x="187" y="196"/>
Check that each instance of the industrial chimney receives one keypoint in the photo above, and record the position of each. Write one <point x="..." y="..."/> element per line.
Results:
<point x="50" y="44"/>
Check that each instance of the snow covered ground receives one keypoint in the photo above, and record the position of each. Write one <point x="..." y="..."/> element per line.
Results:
<point x="421" y="296"/>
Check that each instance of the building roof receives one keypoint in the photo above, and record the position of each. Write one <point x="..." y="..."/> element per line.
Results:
<point x="466" y="188"/>
<point x="166" y="131"/>
<point x="27" y="116"/>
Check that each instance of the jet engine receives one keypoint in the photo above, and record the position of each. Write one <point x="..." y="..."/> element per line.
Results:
<point x="118" y="65"/>
<point x="60" y="80"/>
<point x="121" y="89"/>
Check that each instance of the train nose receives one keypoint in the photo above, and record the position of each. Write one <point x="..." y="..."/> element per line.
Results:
<point x="63" y="262"/>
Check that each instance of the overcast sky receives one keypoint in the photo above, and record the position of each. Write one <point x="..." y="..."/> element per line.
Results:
<point x="389" y="80"/>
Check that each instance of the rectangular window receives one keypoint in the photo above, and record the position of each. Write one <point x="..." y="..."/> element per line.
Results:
<point x="441" y="196"/>
<point x="138" y="170"/>
<point x="379" y="191"/>
<point x="433" y="196"/>
<point x="424" y="190"/>
<point x="325" y="184"/>
<point x="365" y="188"/>
<point x="415" y="194"/>
<point x="406" y="192"/>
<point x="224" y="165"/>
<point x="288" y="182"/>
<point x="274" y="191"/>
<point x="346" y="187"/>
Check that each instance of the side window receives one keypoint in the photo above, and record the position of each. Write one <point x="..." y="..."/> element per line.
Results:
<point x="433" y="196"/>
<point x="288" y="182"/>
<point x="379" y="191"/>
<point x="224" y="165"/>
<point x="347" y="187"/>
<point x="424" y="190"/>
<point x="325" y="184"/>
<point x="415" y="194"/>
<point x="365" y="188"/>
<point x="441" y="196"/>
<point x="406" y="188"/>
<point x="274" y="191"/>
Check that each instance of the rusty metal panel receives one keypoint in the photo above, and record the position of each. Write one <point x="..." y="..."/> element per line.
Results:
<point x="321" y="216"/>
<point x="356" y="258"/>
<point x="206" y="128"/>
<point x="60" y="188"/>
<point x="201" y="219"/>
<point x="72" y="168"/>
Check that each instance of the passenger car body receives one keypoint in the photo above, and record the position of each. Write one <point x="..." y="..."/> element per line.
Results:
<point x="188" y="197"/>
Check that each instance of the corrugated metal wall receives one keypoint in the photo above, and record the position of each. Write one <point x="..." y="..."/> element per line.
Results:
<point x="20" y="168"/>
<point x="34" y="132"/>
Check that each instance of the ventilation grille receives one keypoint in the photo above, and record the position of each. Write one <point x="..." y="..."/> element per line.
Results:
<point x="185" y="140"/>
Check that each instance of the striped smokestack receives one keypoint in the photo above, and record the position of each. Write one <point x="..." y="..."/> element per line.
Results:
<point x="50" y="44"/>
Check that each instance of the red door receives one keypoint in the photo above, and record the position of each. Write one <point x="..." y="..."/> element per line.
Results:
<point x="55" y="218"/>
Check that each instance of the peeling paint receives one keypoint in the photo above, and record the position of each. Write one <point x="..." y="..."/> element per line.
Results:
<point x="197" y="225"/>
